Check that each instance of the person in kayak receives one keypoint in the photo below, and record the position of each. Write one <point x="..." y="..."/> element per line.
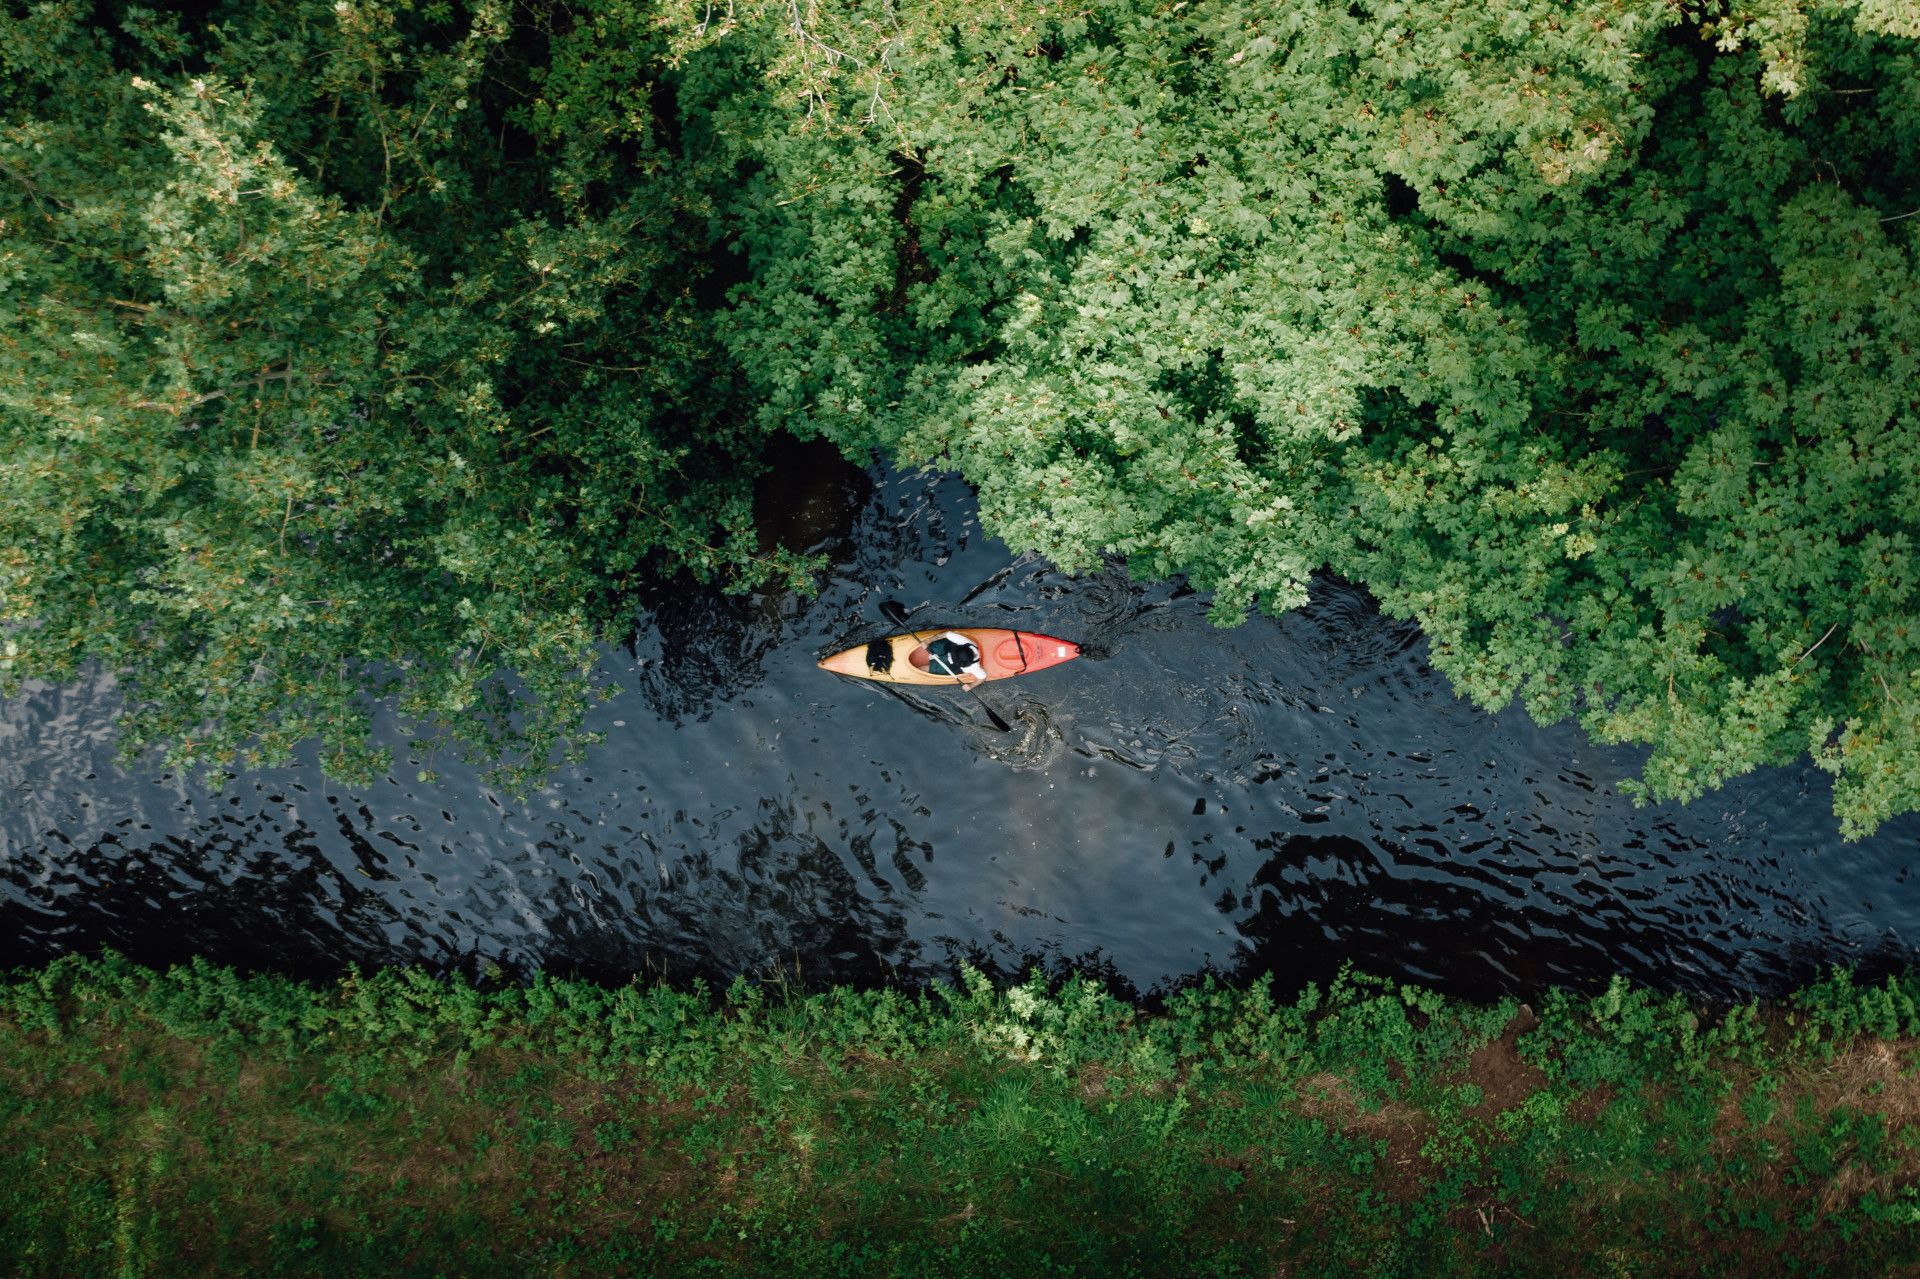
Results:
<point x="950" y="654"/>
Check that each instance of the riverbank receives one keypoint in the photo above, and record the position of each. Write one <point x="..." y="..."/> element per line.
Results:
<point x="200" y="1123"/>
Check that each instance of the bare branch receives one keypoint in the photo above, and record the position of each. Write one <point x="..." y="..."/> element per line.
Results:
<point x="1816" y="644"/>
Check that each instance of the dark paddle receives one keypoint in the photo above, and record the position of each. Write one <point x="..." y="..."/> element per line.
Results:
<point x="897" y="614"/>
<point x="992" y="714"/>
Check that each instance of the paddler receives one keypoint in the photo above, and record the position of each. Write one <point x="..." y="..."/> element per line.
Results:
<point x="950" y="653"/>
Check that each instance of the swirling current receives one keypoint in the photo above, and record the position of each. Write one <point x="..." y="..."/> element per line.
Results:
<point x="1290" y="795"/>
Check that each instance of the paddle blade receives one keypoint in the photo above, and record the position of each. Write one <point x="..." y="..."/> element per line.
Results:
<point x="992" y="715"/>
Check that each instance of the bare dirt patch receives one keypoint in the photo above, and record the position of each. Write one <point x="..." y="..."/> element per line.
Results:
<point x="1404" y="1128"/>
<point x="1504" y="1078"/>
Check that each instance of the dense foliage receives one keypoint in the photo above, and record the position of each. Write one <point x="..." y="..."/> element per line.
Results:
<point x="392" y="340"/>
<point x="348" y="351"/>
<point x="199" y="1123"/>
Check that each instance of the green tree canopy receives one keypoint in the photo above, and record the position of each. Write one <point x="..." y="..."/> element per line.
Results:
<point x="374" y="348"/>
<point x="349" y="352"/>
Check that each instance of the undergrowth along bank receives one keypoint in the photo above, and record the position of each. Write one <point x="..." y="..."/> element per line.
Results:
<point x="198" y="1122"/>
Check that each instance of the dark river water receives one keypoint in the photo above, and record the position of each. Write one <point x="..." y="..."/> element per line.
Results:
<point x="1289" y="795"/>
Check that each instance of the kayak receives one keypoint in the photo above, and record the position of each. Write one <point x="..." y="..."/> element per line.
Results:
<point x="1003" y="654"/>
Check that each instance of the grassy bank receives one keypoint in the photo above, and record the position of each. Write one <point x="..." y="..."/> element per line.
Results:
<point x="195" y="1122"/>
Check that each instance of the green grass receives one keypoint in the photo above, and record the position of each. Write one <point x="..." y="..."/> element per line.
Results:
<point x="198" y="1123"/>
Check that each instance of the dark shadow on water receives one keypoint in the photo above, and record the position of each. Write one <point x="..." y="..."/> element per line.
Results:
<point x="808" y="498"/>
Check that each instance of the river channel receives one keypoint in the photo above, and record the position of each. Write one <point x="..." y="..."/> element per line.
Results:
<point x="1290" y="795"/>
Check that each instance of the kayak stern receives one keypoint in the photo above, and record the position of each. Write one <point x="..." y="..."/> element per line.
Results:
<point x="852" y="662"/>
